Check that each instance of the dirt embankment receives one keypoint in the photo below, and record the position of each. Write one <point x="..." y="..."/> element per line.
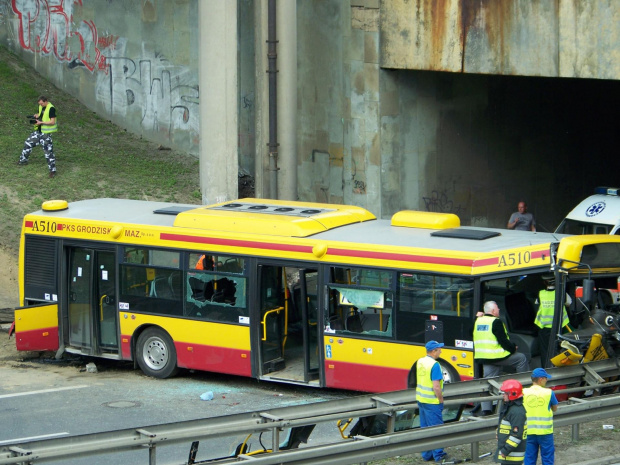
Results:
<point x="8" y="280"/>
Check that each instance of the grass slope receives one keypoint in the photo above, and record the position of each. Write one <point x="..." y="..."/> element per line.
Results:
<point x="94" y="158"/>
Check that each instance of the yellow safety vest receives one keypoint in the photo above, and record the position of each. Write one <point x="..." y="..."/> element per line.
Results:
<point x="539" y="415"/>
<point x="485" y="342"/>
<point x="424" y="389"/>
<point x="47" y="128"/>
<point x="544" y="317"/>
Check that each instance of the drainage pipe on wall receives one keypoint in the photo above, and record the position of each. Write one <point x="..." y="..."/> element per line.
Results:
<point x="272" y="58"/>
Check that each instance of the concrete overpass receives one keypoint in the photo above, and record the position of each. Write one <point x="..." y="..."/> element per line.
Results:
<point x="464" y="106"/>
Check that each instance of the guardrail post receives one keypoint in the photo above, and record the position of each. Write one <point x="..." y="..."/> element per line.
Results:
<point x="391" y="422"/>
<point x="575" y="426"/>
<point x="275" y="440"/>
<point x="152" y="453"/>
<point x="475" y="451"/>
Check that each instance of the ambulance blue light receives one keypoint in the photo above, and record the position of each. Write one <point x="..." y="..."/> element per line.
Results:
<point x="607" y="190"/>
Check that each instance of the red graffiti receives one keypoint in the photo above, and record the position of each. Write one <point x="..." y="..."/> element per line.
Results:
<point x="47" y="27"/>
<point x="107" y="42"/>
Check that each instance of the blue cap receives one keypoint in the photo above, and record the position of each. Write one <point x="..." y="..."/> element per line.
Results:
<point x="540" y="373"/>
<point x="432" y="345"/>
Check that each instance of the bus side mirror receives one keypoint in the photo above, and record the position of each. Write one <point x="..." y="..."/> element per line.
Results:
<point x="588" y="291"/>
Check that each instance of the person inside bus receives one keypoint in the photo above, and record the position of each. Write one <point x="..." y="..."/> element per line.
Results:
<point x="205" y="262"/>
<point x="521" y="220"/>
<point x="544" y="316"/>
<point x="493" y="348"/>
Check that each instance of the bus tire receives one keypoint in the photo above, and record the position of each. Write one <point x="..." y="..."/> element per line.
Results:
<point x="156" y="354"/>
<point x="450" y="375"/>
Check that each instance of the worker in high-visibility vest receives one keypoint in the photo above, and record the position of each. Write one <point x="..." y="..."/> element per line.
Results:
<point x="540" y="403"/>
<point x="544" y="316"/>
<point x="44" y="125"/>
<point x="494" y="349"/>
<point x="429" y="395"/>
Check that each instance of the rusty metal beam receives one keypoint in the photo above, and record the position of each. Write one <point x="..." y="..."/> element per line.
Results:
<point x="553" y="38"/>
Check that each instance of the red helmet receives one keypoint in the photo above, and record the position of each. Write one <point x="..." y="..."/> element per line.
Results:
<point x="513" y="388"/>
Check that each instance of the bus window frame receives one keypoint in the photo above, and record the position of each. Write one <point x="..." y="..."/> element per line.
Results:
<point x="363" y="334"/>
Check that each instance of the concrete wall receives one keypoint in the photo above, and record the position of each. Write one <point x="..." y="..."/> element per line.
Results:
<point x="339" y="138"/>
<point x="134" y="63"/>
<point x="469" y="144"/>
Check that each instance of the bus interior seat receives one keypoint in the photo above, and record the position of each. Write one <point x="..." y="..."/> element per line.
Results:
<point x="336" y="323"/>
<point x="374" y="322"/>
<point x="208" y="290"/>
<point x="230" y="266"/>
<point x="229" y="287"/>
<point x="218" y="296"/>
<point x="520" y="314"/>
<point x="499" y="296"/>
<point x="175" y="283"/>
<point x="524" y="338"/>
<point x="353" y="323"/>
<point x="222" y="290"/>
<point x="161" y="289"/>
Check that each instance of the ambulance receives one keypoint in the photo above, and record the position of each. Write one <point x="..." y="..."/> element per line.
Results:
<point x="598" y="214"/>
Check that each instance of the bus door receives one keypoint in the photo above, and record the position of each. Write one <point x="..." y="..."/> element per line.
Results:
<point x="288" y="339"/>
<point x="91" y="307"/>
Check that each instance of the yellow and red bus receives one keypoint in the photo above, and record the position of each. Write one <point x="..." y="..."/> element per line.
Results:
<point x="315" y="294"/>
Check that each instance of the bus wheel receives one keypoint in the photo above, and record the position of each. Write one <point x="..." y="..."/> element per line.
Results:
<point x="450" y="375"/>
<point x="156" y="354"/>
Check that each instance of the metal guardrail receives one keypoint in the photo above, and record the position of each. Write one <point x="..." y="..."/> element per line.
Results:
<point x="353" y="451"/>
<point x="365" y="449"/>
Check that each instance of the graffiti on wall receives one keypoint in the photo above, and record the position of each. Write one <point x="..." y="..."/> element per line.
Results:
<point x="164" y="95"/>
<point x="358" y="179"/>
<point x="46" y="27"/>
<point x="440" y="202"/>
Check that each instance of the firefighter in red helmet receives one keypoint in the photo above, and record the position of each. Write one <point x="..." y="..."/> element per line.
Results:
<point x="512" y="427"/>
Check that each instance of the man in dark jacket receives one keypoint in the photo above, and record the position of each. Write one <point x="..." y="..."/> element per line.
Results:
<point x="512" y="427"/>
<point x="493" y="348"/>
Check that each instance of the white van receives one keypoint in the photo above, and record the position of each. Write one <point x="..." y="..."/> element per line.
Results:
<point x="598" y="214"/>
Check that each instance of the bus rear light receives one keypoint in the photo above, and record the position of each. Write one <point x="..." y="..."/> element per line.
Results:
<point x="190" y="349"/>
<point x="45" y="333"/>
